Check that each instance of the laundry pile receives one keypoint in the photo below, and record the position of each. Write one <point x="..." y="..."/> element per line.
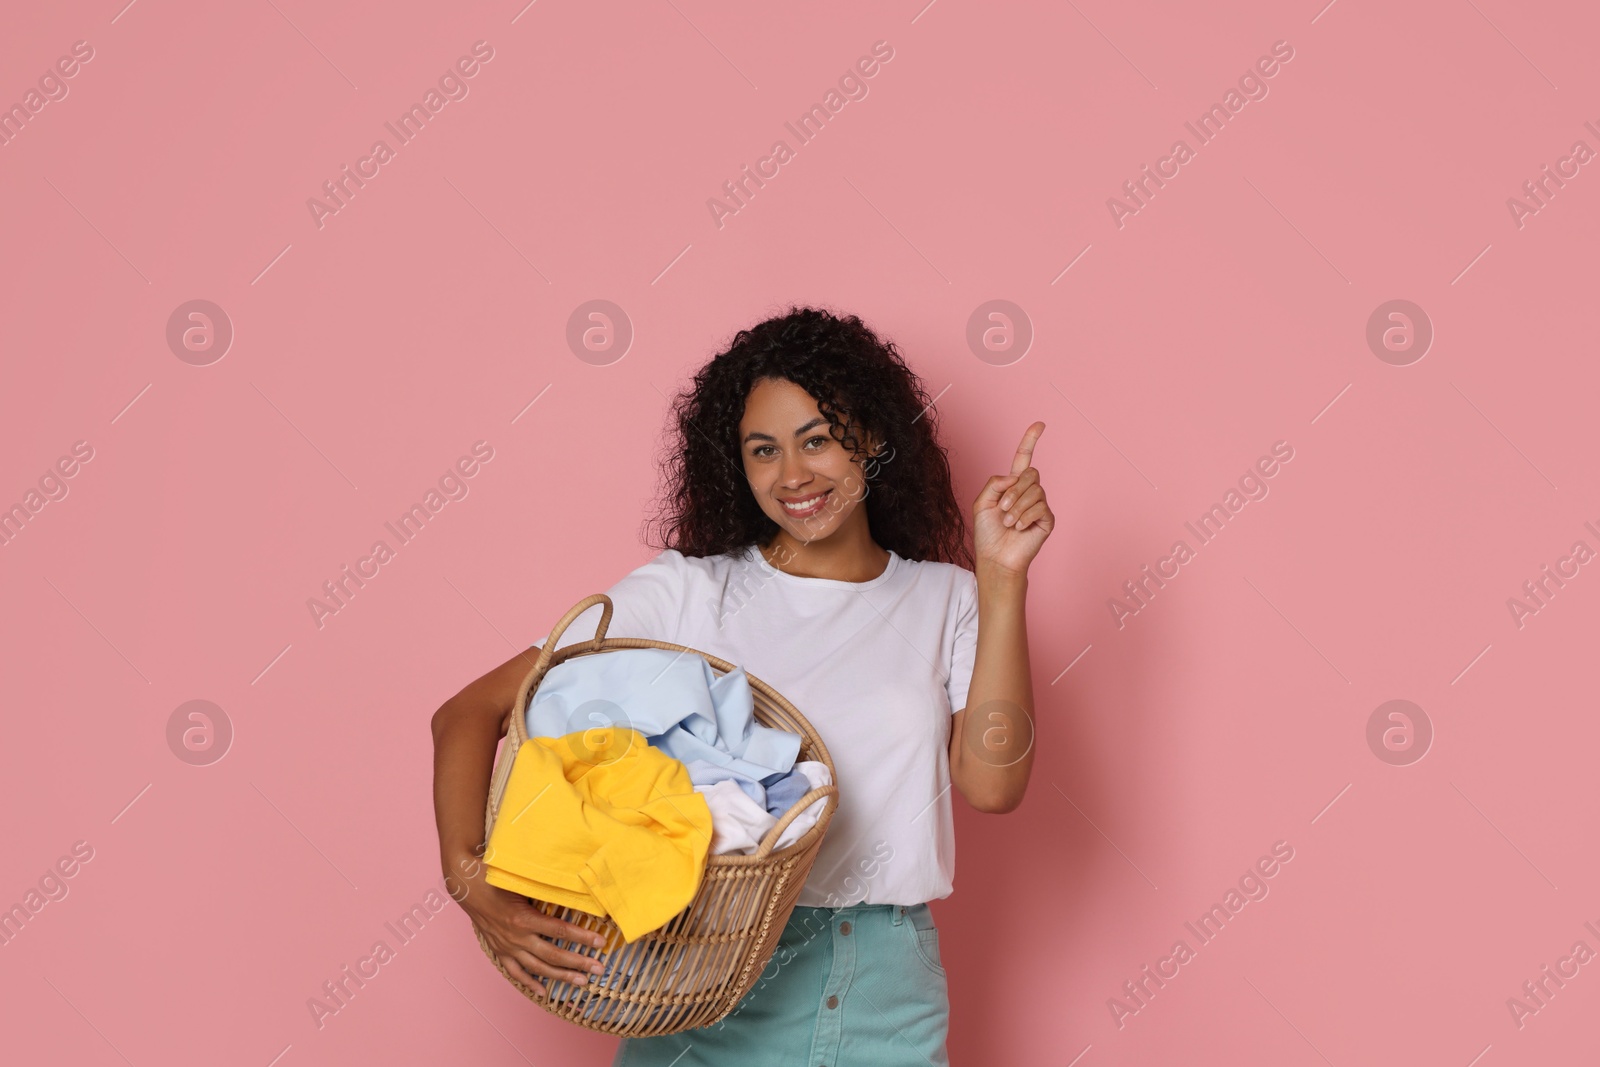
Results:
<point x="639" y="764"/>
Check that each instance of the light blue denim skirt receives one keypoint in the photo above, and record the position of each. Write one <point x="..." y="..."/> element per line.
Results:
<point x="861" y="986"/>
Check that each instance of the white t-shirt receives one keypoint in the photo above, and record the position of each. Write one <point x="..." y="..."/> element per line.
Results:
<point x="877" y="668"/>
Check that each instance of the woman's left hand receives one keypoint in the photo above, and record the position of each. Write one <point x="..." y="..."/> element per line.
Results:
<point x="1010" y="518"/>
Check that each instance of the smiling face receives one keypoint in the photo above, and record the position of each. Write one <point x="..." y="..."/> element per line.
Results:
<point x="802" y="477"/>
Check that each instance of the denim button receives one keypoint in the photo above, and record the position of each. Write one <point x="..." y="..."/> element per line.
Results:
<point x="844" y="927"/>
<point x="833" y="1002"/>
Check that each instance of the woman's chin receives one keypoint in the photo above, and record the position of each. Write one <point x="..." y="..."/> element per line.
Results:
<point x="808" y="532"/>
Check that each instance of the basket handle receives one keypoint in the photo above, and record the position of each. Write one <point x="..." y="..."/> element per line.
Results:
<point x="770" y="841"/>
<point x="566" y="620"/>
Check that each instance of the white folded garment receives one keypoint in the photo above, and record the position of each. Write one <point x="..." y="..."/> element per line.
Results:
<point x="738" y="823"/>
<point x="818" y="773"/>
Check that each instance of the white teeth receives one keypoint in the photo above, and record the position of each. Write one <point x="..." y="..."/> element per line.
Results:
<point x="806" y="506"/>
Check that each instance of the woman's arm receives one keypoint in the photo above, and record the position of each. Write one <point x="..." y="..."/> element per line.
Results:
<point x="991" y="742"/>
<point x="466" y="731"/>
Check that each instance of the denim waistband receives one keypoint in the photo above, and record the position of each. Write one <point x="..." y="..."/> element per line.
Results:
<point x="856" y="908"/>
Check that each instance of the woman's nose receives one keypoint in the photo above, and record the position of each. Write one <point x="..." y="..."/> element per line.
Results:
<point x="794" y="472"/>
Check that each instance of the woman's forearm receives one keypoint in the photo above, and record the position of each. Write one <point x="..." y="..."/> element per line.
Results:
<point x="466" y="732"/>
<point x="996" y="749"/>
<point x="464" y="743"/>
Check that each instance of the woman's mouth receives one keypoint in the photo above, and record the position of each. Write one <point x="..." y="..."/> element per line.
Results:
<point x="801" y="507"/>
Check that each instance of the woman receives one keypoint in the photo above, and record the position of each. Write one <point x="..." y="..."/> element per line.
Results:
<point x="810" y="534"/>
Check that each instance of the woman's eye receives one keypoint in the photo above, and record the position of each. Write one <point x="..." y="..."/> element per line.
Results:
<point x="814" y="443"/>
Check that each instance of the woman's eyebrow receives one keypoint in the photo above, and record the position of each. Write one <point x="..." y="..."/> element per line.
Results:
<point x="756" y="435"/>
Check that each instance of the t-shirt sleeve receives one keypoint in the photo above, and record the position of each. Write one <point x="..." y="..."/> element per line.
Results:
<point x="644" y="602"/>
<point x="964" y="649"/>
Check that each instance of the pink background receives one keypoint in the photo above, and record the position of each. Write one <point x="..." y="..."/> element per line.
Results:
<point x="1228" y="314"/>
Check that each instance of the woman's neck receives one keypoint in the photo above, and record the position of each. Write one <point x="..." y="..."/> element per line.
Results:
<point x="849" y="554"/>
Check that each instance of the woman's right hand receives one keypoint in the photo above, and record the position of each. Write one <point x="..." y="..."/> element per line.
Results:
<point x="519" y="934"/>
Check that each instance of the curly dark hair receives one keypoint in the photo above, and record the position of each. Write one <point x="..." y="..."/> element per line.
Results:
<point x="861" y="385"/>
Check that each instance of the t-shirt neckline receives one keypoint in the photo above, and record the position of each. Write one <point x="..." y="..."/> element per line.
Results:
<point x="753" y="554"/>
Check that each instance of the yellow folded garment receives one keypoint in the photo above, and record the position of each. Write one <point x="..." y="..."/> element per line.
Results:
<point x="600" y="821"/>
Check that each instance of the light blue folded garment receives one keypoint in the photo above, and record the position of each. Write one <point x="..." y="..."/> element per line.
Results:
<point x="785" y="792"/>
<point x="704" y="773"/>
<point x="675" y="700"/>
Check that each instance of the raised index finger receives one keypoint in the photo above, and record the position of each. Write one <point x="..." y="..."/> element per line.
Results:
<point x="1024" y="458"/>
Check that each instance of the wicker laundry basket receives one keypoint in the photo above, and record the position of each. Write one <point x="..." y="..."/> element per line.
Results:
<point x="695" y="969"/>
